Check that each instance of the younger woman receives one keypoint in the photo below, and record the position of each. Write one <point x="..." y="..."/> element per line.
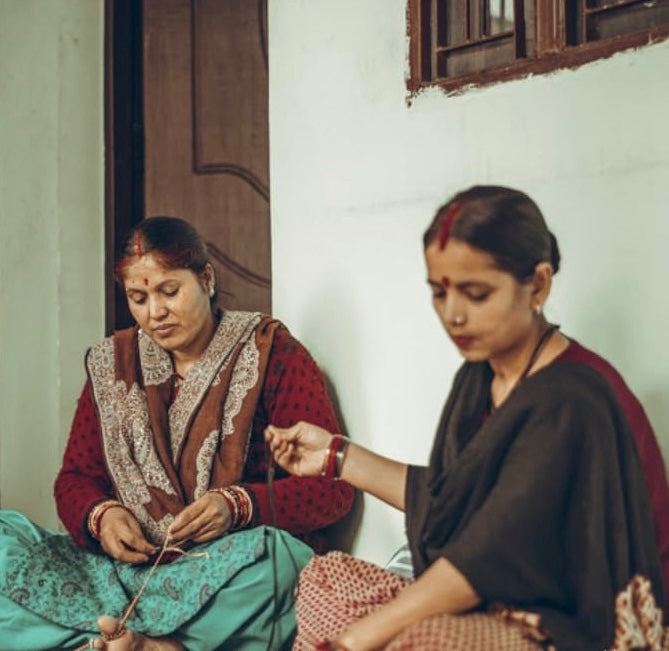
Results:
<point x="543" y="516"/>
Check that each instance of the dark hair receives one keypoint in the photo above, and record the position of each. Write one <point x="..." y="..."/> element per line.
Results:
<point x="501" y="221"/>
<point x="171" y="240"/>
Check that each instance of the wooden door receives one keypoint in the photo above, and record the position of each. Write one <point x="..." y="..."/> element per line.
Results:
<point x="205" y="97"/>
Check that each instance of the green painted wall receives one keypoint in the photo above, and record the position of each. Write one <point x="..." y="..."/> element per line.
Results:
<point x="51" y="234"/>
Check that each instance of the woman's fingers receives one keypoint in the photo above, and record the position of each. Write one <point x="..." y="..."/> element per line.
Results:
<point x="207" y="518"/>
<point x="186" y="523"/>
<point x="279" y="436"/>
<point x="299" y="449"/>
<point x="122" y="538"/>
<point x="118" y="549"/>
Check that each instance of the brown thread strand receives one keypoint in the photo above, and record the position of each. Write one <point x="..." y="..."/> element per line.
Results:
<point x="120" y="628"/>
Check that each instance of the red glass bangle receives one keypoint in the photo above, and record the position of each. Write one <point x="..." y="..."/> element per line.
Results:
<point x="96" y="513"/>
<point x="330" y="466"/>
<point x="240" y="505"/>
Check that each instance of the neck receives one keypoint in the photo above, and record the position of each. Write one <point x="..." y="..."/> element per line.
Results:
<point x="510" y="366"/>
<point x="184" y="358"/>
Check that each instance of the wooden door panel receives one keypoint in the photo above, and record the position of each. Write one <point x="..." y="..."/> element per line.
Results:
<point x="206" y="134"/>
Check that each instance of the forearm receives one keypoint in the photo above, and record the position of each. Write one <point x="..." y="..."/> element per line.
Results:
<point x="82" y="480"/>
<point x="75" y="495"/>
<point x="440" y="589"/>
<point x="374" y="474"/>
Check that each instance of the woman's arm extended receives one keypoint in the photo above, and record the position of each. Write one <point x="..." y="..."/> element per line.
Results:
<point x="303" y="450"/>
<point x="440" y="589"/>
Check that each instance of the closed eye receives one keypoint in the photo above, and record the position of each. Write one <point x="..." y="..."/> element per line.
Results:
<point x="437" y="289"/>
<point x="478" y="297"/>
<point x="137" y="299"/>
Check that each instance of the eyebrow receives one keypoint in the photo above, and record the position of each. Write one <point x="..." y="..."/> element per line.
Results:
<point x="467" y="284"/>
<point x="159" y="286"/>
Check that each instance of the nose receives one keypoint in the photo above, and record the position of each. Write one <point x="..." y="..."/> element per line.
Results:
<point x="157" y="307"/>
<point x="453" y="311"/>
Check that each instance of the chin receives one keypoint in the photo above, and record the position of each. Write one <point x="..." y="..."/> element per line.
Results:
<point x="167" y="343"/>
<point x="474" y="355"/>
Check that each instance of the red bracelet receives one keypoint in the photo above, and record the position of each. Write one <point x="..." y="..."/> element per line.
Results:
<point x="330" y="465"/>
<point x="239" y="503"/>
<point x="96" y="513"/>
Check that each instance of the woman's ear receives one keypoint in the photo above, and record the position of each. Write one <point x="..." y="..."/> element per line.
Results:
<point x="542" y="279"/>
<point x="209" y="279"/>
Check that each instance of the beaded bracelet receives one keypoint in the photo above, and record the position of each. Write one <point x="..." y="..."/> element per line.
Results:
<point x="96" y="513"/>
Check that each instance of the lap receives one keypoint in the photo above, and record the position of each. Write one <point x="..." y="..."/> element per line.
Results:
<point x="54" y="592"/>
<point x="337" y="589"/>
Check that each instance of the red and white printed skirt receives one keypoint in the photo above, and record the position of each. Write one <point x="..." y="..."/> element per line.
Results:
<point x="337" y="589"/>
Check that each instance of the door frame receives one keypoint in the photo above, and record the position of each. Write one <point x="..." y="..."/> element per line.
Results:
<point x="124" y="143"/>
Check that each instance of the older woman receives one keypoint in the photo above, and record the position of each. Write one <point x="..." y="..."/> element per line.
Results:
<point x="542" y="519"/>
<point x="167" y="449"/>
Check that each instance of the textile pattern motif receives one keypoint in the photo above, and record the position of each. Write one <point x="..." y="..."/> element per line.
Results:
<point x="74" y="587"/>
<point x="53" y="578"/>
<point x="337" y="589"/>
<point x="233" y="328"/>
<point x="156" y="363"/>
<point x="127" y="438"/>
<point x="204" y="459"/>
<point x="129" y="446"/>
<point x="244" y="376"/>
<point x="638" y="619"/>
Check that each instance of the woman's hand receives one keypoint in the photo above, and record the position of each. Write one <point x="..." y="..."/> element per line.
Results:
<point x="122" y="538"/>
<point x="207" y="518"/>
<point x="300" y="449"/>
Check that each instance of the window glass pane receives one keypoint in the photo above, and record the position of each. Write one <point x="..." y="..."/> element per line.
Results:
<point x="500" y="16"/>
<point x="476" y="58"/>
<point x="453" y="27"/>
<point x="605" y="20"/>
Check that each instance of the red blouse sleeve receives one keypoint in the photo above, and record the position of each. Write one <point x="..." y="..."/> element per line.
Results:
<point x="83" y="479"/>
<point x="294" y="390"/>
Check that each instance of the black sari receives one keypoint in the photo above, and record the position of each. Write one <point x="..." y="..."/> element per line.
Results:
<point x="541" y="504"/>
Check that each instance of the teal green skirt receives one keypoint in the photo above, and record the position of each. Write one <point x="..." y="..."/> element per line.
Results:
<point x="238" y="596"/>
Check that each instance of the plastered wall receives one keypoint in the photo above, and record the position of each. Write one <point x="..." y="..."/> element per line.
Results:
<point x="356" y="174"/>
<point x="51" y="234"/>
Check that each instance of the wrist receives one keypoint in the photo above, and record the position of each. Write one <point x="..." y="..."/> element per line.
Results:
<point x="239" y="504"/>
<point x="334" y="457"/>
<point x="94" y="520"/>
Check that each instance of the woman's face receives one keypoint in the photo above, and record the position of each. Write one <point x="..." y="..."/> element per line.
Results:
<point x="170" y="305"/>
<point x="486" y="311"/>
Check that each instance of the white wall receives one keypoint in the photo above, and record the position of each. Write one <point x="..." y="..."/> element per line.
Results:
<point x="356" y="174"/>
<point x="51" y="234"/>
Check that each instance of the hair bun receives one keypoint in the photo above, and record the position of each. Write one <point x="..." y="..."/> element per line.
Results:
<point x="554" y="253"/>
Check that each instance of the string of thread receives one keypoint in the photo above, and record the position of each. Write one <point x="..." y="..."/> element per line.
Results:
<point x="120" y="628"/>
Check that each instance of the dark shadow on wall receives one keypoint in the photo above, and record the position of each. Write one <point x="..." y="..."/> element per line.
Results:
<point x="342" y="534"/>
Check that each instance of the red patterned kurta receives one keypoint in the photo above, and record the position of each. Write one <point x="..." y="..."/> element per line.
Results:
<point x="294" y="389"/>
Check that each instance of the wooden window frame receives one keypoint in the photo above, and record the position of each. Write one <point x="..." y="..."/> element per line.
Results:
<point x="551" y="49"/>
